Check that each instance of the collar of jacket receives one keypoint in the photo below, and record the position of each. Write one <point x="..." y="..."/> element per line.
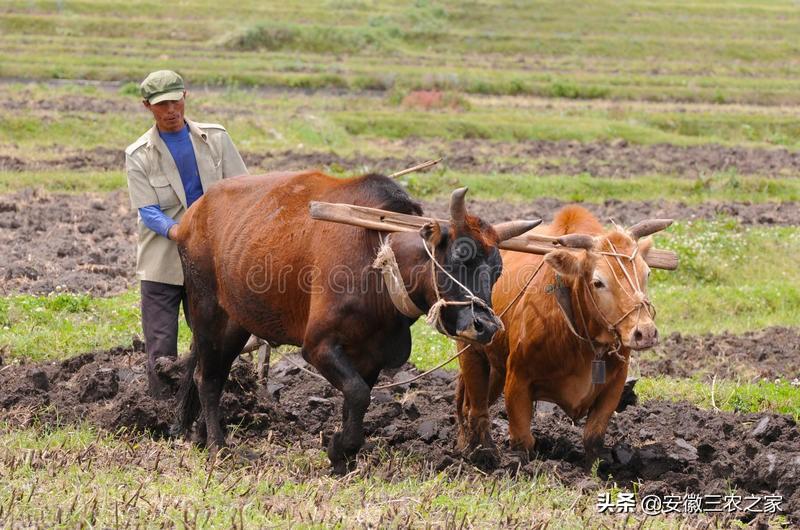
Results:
<point x="154" y="137"/>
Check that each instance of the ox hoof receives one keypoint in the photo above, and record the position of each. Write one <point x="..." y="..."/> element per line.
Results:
<point x="518" y="458"/>
<point x="600" y="457"/>
<point x="239" y="456"/>
<point x="523" y="452"/>
<point x="176" y="430"/>
<point x="198" y="435"/>
<point x="483" y="457"/>
<point x="216" y="454"/>
<point x="342" y="462"/>
<point x="343" y="466"/>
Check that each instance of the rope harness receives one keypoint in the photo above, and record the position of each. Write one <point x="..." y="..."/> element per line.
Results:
<point x="386" y="262"/>
<point x="434" y="317"/>
<point x="462" y="350"/>
<point x="636" y="294"/>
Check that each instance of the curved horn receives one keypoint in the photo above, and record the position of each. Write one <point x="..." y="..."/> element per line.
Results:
<point x="648" y="226"/>
<point x="458" y="211"/>
<point x="576" y="241"/>
<point x="515" y="228"/>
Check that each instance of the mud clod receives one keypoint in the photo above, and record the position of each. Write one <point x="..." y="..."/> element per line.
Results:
<point x="102" y="384"/>
<point x="661" y="446"/>
<point x="770" y="353"/>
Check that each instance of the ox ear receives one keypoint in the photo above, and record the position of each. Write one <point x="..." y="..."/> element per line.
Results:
<point x="432" y="233"/>
<point x="567" y="262"/>
<point x="644" y="246"/>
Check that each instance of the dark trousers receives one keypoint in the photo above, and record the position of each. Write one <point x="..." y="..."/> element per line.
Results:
<point x="160" y="305"/>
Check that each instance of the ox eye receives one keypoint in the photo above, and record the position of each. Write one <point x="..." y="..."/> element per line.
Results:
<point x="464" y="251"/>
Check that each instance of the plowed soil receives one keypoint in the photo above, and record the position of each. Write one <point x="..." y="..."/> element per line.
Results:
<point x="618" y="159"/>
<point x="87" y="243"/>
<point x="770" y="353"/>
<point x="52" y="242"/>
<point x="670" y="448"/>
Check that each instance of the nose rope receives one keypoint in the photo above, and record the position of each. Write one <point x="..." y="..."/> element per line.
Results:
<point x="434" y="317"/>
<point x="642" y="302"/>
<point x="453" y="357"/>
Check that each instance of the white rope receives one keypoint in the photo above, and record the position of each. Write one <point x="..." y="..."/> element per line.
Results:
<point x="434" y="318"/>
<point x="641" y="302"/>
<point x="386" y="262"/>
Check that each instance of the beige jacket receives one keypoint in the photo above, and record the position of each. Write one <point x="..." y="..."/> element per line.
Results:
<point x="153" y="178"/>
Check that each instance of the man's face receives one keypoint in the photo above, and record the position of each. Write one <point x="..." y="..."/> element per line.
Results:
<point x="168" y="114"/>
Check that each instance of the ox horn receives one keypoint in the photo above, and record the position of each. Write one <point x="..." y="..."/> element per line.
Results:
<point x="458" y="211"/>
<point x="584" y="241"/>
<point x="647" y="227"/>
<point x="515" y="228"/>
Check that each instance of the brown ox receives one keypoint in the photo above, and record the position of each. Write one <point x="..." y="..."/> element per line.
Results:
<point x="256" y="263"/>
<point x="543" y="354"/>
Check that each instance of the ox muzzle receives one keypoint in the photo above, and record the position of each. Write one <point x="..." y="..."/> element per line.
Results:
<point x="472" y="323"/>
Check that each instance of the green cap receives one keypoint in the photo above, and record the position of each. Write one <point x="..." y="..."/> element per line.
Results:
<point x="163" y="85"/>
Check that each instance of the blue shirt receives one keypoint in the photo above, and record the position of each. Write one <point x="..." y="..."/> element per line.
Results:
<point x="154" y="219"/>
<point x="182" y="151"/>
<point x="180" y="146"/>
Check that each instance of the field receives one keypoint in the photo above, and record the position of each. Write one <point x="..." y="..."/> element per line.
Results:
<point x="635" y="109"/>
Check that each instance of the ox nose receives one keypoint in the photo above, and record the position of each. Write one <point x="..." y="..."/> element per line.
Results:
<point x="644" y="336"/>
<point x="485" y="327"/>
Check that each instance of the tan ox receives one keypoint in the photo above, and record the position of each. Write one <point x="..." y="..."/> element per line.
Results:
<point x="549" y="350"/>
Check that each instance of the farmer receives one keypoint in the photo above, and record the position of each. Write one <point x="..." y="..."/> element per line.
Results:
<point x="169" y="167"/>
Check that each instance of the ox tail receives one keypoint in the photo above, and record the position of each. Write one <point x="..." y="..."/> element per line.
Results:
<point x="188" y="397"/>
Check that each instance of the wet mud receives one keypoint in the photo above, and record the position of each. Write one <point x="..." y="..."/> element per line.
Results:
<point x="770" y="353"/>
<point x="618" y="159"/>
<point x="665" y="447"/>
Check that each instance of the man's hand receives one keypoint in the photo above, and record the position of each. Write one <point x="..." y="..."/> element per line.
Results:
<point x="172" y="232"/>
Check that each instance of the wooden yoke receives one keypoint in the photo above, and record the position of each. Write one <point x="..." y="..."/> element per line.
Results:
<point x="386" y="221"/>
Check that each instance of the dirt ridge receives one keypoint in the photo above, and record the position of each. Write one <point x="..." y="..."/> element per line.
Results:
<point x="607" y="159"/>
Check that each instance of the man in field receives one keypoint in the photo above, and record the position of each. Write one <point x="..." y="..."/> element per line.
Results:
<point x="169" y="167"/>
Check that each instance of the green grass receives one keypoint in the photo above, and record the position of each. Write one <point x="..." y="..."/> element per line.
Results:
<point x="730" y="278"/>
<point x="566" y="70"/>
<point x="586" y="188"/>
<point x="506" y="187"/>
<point x="58" y="326"/>
<point x="560" y="49"/>
<point x="63" y="181"/>
<point x="80" y="118"/>
<point x="780" y="397"/>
